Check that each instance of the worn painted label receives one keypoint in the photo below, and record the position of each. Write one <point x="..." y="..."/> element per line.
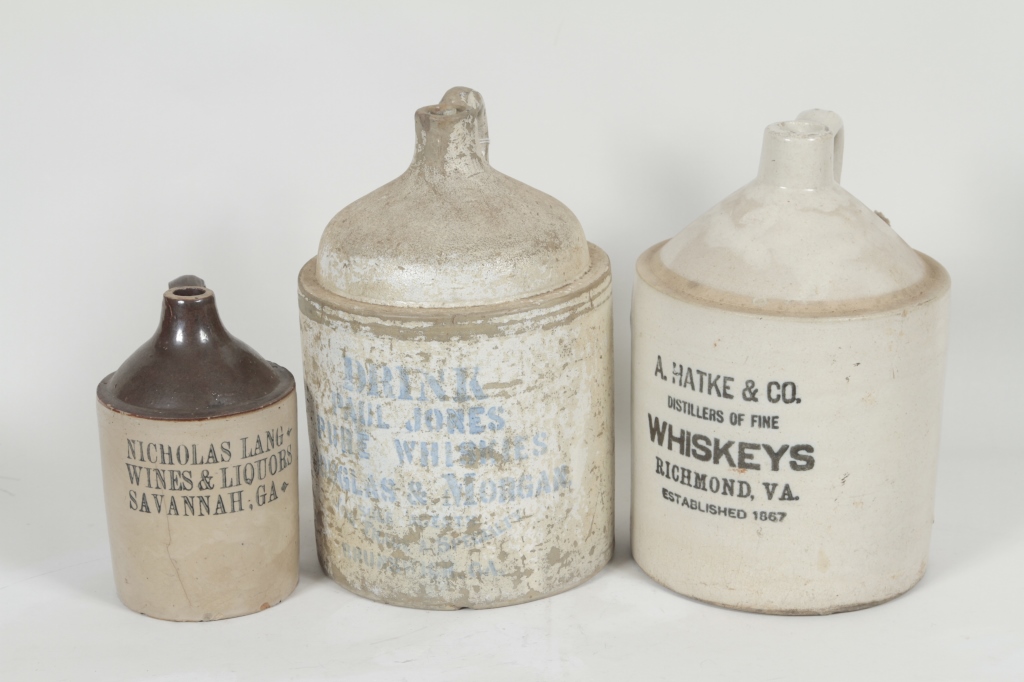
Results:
<point x="469" y="471"/>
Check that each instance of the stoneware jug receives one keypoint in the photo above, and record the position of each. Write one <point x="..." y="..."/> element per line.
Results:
<point x="456" y="331"/>
<point x="788" y="362"/>
<point x="198" y="444"/>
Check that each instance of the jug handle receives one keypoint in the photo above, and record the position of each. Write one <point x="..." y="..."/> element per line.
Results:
<point x="471" y="100"/>
<point x="833" y="122"/>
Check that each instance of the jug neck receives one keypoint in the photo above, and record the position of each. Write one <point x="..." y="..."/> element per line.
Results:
<point x="451" y="137"/>
<point x="189" y="322"/>
<point x="799" y="155"/>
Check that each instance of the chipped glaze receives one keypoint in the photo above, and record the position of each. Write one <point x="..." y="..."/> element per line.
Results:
<point x="451" y="231"/>
<point x="788" y="364"/>
<point x="457" y="349"/>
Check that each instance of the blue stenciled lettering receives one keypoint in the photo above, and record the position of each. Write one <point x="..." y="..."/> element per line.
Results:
<point x="474" y="420"/>
<point x="470" y="453"/>
<point x="472" y="491"/>
<point x="460" y="384"/>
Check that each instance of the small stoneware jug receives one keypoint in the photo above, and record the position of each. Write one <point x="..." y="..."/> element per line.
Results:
<point x="456" y="332"/>
<point x="788" y="362"/>
<point x="198" y="445"/>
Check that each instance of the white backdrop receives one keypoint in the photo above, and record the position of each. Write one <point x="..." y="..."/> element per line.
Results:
<point x="142" y="141"/>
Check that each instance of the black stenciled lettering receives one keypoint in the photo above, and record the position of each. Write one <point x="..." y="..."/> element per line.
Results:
<point x="801" y="458"/>
<point x="745" y="458"/>
<point x="775" y="455"/>
<point x="727" y="387"/>
<point x="134" y="473"/>
<point x="719" y="451"/>
<point x="657" y="428"/>
<point x="680" y="440"/>
<point x="722" y="450"/>
<point x="700" y="447"/>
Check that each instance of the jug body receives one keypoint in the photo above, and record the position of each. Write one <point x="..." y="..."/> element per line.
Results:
<point x="459" y="394"/>
<point x="198" y="446"/>
<point x="785" y="434"/>
<point x="784" y="464"/>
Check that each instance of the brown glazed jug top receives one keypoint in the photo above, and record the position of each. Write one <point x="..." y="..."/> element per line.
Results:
<point x="192" y="368"/>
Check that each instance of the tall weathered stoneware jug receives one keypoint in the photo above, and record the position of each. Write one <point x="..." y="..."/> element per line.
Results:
<point x="788" y="362"/>
<point x="456" y="330"/>
<point x="198" y="443"/>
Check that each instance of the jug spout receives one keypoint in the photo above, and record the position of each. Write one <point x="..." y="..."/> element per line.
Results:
<point x="805" y="154"/>
<point x="451" y="136"/>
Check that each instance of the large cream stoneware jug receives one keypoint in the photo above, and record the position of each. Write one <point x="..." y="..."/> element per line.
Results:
<point x="788" y="362"/>
<point x="456" y="330"/>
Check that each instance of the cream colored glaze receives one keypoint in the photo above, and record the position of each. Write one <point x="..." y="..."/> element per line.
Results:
<point x="793" y="233"/>
<point x="188" y="554"/>
<point x="871" y="396"/>
<point x="788" y="366"/>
